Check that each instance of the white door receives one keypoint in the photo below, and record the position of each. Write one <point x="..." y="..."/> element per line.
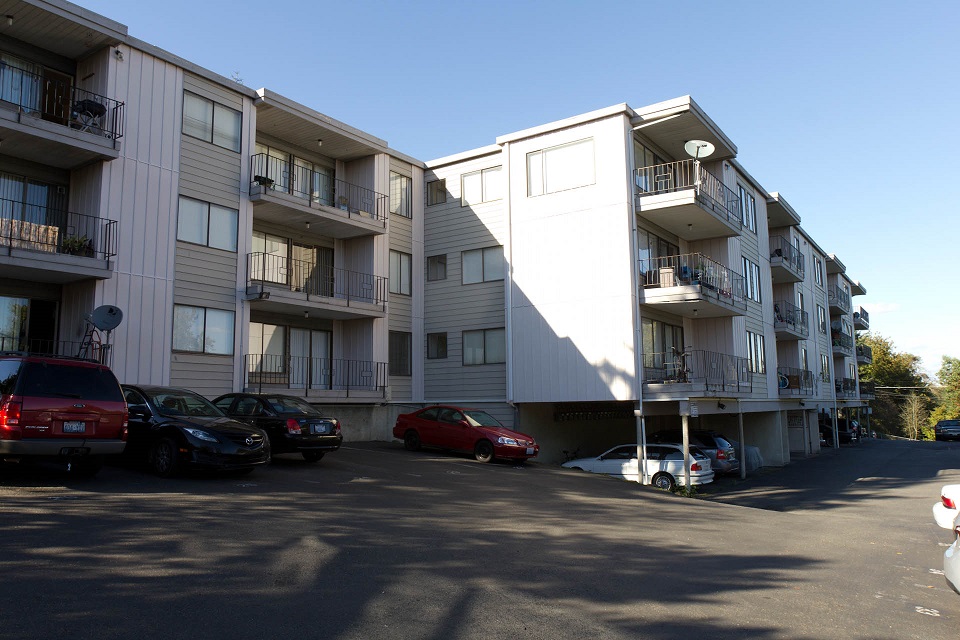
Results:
<point x="299" y="357"/>
<point x="320" y="363"/>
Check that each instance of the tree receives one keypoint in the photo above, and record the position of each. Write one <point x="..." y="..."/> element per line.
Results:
<point x="948" y="393"/>
<point x="913" y="417"/>
<point x="898" y="375"/>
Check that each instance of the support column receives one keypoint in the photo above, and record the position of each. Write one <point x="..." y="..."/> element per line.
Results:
<point x="686" y="449"/>
<point x="641" y="444"/>
<point x="743" y="446"/>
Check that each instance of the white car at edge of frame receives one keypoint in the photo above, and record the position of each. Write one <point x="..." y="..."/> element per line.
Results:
<point x="664" y="464"/>
<point x="946" y="513"/>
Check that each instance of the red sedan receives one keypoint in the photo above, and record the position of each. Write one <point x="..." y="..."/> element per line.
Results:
<point x="462" y="429"/>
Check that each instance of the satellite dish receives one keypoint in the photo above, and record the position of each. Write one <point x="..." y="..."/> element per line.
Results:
<point x="106" y="318"/>
<point x="697" y="149"/>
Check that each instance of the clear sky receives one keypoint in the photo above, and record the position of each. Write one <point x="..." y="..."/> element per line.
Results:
<point x="848" y="109"/>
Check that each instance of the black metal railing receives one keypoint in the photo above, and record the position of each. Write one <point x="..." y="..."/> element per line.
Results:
<point x="315" y="279"/>
<point x="868" y="389"/>
<point x="92" y="349"/>
<point x="60" y="102"/>
<point x="865" y="352"/>
<point x="695" y="269"/>
<point x="689" y="174"/>
<point x="310" y="373"/>
<point x="845" y="387"/>
<point x="842" y="342"/>
<point x="784" y="253"/>
<point x="792" y="381"/>
<point x="838" y="298"/>
<point x="717" y="371"/>
<point x="788" y="316"/>
<point x="29" y="226"/>
<point x="861" y="316"/>
<point x="269" y="173"/>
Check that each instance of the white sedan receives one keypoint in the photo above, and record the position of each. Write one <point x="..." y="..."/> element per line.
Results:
<point x="947" y="515"/>
<point x="664" y="464"/>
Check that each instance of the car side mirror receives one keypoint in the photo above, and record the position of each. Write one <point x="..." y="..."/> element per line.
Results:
<point x="463" y="423"/>
<point x="139" y="412"/>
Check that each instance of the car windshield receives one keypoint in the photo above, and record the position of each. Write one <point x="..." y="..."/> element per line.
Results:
<point x="289" y="404"/>
<point x="481" y="419"/>
<point x="182" y="403"/>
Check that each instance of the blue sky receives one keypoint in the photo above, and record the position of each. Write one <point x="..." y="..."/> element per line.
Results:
<point x="848" y="109"/>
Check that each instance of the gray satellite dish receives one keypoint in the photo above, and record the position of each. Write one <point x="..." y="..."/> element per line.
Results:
<point x="106" y="318"/>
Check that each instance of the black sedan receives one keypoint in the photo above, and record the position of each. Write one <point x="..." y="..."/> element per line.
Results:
<point x="293" y="425"/>
<point x="175" y="429"/>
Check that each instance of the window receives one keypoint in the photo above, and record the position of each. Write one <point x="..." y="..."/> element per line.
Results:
<point x="661" y="342"/>
<point x="818" y="270"/>
<point x="482" y="265"/>
<point x="207" y="224"/>
<point x="202" y="330"/>
<point x="215" y="123"/>
<point x="821" y="319"/>
<point x="268" y="347"/>
<point x="436" y="192"/>
<point x="560" y="168"/>
<point x="825" y="368"/>
<point x="480" y="186"/>
<point x="437" y="267"/>
<point x="757" y="361"/>
<point x="436" y="346"/>
<point x="751" y="276"/>
<point x="401" y="345"/>
<point x="400" y="275"/>
<point x="748" y="208"/>
<point x="401" y="195"/>
<point x="487" y="346"/>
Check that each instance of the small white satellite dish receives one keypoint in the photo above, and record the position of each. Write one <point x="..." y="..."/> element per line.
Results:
<point x="106" y="318"/>
<point x="697" y="149"/>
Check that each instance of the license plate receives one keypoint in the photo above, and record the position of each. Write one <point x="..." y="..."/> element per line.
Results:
<point x="321" y="429"/>
<point x="529" y="451"/>
<point x="74" y="427"/>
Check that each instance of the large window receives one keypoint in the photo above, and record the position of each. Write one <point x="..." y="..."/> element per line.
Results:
<point x="401" y="195"/>
<point x="482" y="265"/>
<point x="756" y="356"/>
<point x="437" y="267"/>
<point x="210" y="121"/>
<point x="436" y="346"/>
<point x="207" y="224"/>
<point x="825" y="368"/>
<point x="751" y="275"/>
<point x="821" y="319"/>
<point x="818" y="270"/>
<point x="560" y="168"/>
<point x="436" y="192"/>
<point x="202" y="330"/>
<point x="480" y="186"/>
<point x="486" y="346"/>
<point x="401" y="347"/>
<point x="748" y="208"/>
<point x="400" y="274"/>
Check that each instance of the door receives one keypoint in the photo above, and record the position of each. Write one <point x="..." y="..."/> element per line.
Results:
<point x="55" y="105"/>
<point x="299" y="357"/>
<point x="320" y="362"/>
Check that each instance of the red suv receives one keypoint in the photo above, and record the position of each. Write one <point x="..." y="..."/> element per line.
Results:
<point x="60" y="408"/>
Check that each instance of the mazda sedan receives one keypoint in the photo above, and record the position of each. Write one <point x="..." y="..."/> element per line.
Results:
<point x="292" y="424"/>
<point x="459" y="429"/>
<point x="175" y="429"/>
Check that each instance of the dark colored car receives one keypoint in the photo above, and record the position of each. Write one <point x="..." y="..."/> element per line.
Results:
<point x="947" y="430"/>
<point x="175" y="429"/>
<point x="723" y="455"/>
<point x="60" y="408"/>
<point x="460" y="429"/>
<point x="292" y="424"/>
<point x="848" y="431"/>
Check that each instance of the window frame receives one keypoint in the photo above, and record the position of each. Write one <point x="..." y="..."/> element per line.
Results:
<point x="756" y="353"/>
<point x="205" y="329"/>
<point x="751" y="276"/>
<point x="437" y="192"/>
<point x="748" y="214"/>
<point x="404" y="206"/>
<point x="822" y="319"/>
<point x="483" y="265"/>
<point x="434" y="264"/>
<point x="404" y="284"/>
<point x="208" y="206"/>
<point x="486" y="333"/>
<point x="818" y="271"/>
<point x="400" y="343"/>
<point x="541" y="173"/>
<point x="483" y="173"/>
<point x="437" y="344"/>
<point x="214" y="106"/>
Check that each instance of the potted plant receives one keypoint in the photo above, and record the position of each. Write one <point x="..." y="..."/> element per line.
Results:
<point x="264" y="181"/>
<point x="343" y="201"/>
<point x="77" y="246"/>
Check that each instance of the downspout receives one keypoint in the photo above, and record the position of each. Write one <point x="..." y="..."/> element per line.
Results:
<point x="637" y="325"/>
<point x="508" y="283"/>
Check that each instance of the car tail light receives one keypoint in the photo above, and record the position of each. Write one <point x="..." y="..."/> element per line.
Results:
<point x="337" y="423"/>
<point x="949" y="503"/>
<point x="10" y="420"/>
<point x="721" y="454"/>
<point x="695" y="466"/>
<point x="293" y="427"/>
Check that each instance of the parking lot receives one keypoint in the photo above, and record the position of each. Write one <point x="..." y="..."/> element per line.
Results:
<point x="378" y="542"/>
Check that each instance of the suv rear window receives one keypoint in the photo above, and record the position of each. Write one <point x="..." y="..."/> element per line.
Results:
<point x="48" y="380"/>
<point x="8" y="376"/>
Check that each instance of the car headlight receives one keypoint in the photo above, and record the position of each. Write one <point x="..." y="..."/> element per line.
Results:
<point x="200" y="434"/>
<point x="503" y="440"/>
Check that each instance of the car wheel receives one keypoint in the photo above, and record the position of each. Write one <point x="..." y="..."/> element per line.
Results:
<point x="86" y="467"/>
<point x="411" y="441"/>
<point x="483" y="452"/>
<point x="312" y="456"/>
<point x="664" y="481"/>
<point x="163" y="457"/>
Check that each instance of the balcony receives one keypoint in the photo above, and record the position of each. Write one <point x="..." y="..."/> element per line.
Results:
<point x="49" y="245"/>
<point x="861" y="319"/>
<point x="864" y="354"/>
<point x="786" y="262"/>
<point x="794" y="382"/>
<point x="693" y="286"/>
<point x="284" y="285"/>
<point x="290" y="195"/>
<point x="90" y="350"/>
<point x="676" y="376"/>
<point x="51" y="122"/>
<point x="846" y="388"/>
<point x="685" y="199"/>
<point x="790" y="321"/>
<point x="868" y="390"/>
<point x="842" y="344"/>
<point x="838" y="299"/>
<point x="318" y="379"/>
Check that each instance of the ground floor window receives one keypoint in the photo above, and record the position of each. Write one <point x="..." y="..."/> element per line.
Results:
<point x="401" y="348"/>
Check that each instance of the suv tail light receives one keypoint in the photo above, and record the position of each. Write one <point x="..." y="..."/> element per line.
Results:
<point x="293" y="427"/>
<point x="10" y="420"/>
<point x="948" y="502"/>
<point x="721" y="454"/>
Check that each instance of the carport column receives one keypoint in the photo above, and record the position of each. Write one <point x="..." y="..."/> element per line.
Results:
<point x="743" y="445"/>
<point x="641" y="443"/>
<point x="686" y="449"/>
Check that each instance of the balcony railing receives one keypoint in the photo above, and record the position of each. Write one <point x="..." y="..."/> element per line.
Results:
<point x="792" y="381"/>
<point x="782" y="252"/>
<point x="90" y="350"/>
<point x="314" y="279"/>
<point x="310" y="373"/>
<point x="314" y="187"/>
<point x="868" y="389"/>
<point x="60" y="102"/>
<point x="717" y="371"/>
<point x="845" y="387"/>
<point x="839" y="299"/>
<point x="861" y="319"/>
<point x="29" y="226"/>
<point x="842" y="343"/>
<point x="789" y="317"/>
<point x="864" y="354"/>
<point x="689" y="174"/>
<point x="694" y="269"/>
